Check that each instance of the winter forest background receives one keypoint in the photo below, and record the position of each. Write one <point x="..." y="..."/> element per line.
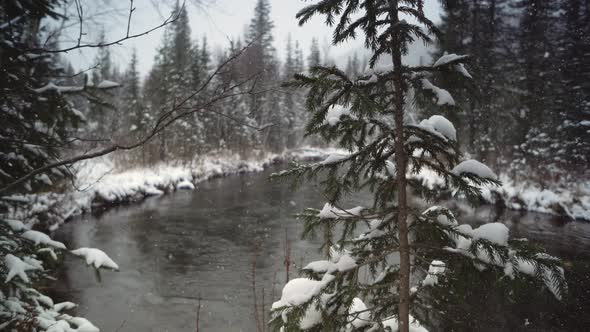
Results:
<point x="525" y="109"/>
<point x="77" y="137"/>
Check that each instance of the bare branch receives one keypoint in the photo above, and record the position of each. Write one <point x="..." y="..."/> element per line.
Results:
<point x="131" y="10"/>
<point x="171" y="19"/>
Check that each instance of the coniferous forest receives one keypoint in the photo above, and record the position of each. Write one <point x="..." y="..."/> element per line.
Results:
<point x="396" y="171"/>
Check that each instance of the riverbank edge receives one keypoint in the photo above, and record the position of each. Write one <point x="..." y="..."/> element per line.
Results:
<point x="101" y="186"/>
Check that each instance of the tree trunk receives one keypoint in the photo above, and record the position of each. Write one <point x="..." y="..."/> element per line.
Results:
<point x="400" y="163"/>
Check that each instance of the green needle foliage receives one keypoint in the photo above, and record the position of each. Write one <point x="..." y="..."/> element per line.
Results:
<point x="387" y="153"/>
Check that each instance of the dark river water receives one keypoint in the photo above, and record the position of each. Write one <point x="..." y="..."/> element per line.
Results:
<point x="190" y="245"/>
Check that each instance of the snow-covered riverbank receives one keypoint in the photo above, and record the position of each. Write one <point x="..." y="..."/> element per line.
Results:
<point x="101" y="183"/>
<point x="568" y="200"/>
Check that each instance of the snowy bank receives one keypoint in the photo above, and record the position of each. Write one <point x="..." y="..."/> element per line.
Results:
<point x="100" y="183"/>
<point x="572" y="201"/>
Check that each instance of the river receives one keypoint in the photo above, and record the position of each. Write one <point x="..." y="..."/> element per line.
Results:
<point x="192" y="246"/>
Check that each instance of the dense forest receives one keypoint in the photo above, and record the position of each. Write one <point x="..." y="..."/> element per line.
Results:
<point x="529" y="63"/>
<point x="263" y="117"/>
<point x="526" y="107"/>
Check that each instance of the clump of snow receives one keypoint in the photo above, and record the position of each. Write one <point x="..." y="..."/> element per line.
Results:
<point x="64" y="306"/>
<point x="439" y="126"/>
<point x="461" y="69"/>
<point x="331" y="212"/>
<point x="42" y="238"/>
<point x="52" y="87"/>
<point x="448" y="58"/>
<point x="498" y="233"/>
<point x="494" y="232"/>
<point x="335" y="113"/>
<point x="185" y="185"/>
<point x="443" y="97"/>
<point x="299" y="291"/>
<point x="344" y="263"/>
<point x="96" y="257"/>
<point x="309" y="153"/>
<point x="372" y="79"/>
<point x="474" y="167"/>
<point x="334" y="158"/>
<point x="359" y="314"/>
<point x="82" y="324"/>
<point x="106" y="84"/>
<point x="17" y="267"/>
<point x="436" y="267"/>
<point x="15" y="225"/>
<point x="50" y="251"/>
<point x="393" y="324"/>
<point x="152" y="191"/>
<point x="372" y="232"/>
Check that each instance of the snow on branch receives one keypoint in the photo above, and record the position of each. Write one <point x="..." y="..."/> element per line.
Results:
<point x="443" y="96"/>
<point x="335" y="114"/>
<point x="474" y="167"/>
<point x="104" y="85"/>
<point x="42" y="238"/>
<point x="17" y="267"/>
<point x="96" y="257"/>
<point x="439" y="125"/>
<point x="331" y="212"/>
<point x="449" y="59"/>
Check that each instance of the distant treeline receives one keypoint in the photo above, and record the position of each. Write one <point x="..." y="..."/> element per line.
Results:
<point x="181" y="67"/>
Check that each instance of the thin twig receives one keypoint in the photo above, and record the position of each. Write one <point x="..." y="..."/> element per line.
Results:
<point x="131" y="10"/>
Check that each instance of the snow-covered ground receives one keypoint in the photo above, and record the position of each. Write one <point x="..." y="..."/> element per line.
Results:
<point x="571" y="200"/>
<point x="101" y="183"/>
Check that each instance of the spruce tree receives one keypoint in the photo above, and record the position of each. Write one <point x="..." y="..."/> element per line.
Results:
<point x="261" y="62"/>
<point x="132" y="106"/>
<point x="288" y="106"/>
<point x="314" y="58"/>
<point x="365" y="282"/>
<point x="102" y="105"/>
<point x="36" y="117"/>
